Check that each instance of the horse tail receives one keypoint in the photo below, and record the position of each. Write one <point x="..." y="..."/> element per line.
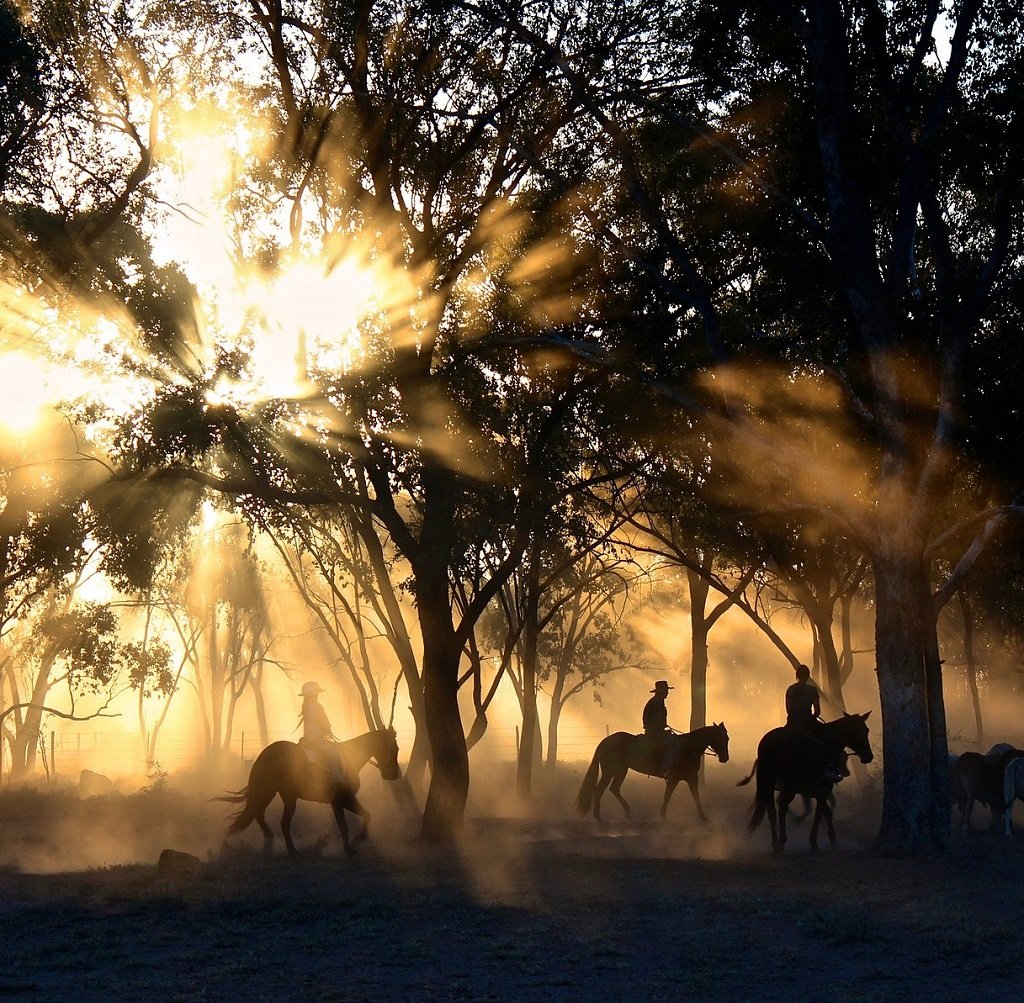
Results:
<point x="763" y="794"/>
<point x="585" y="798"/>
<point x="746" y="780"/>
<point x="234" y="797"/>
<point x="241" y="819"/>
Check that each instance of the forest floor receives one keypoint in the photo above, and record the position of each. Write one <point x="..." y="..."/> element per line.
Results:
<point x="531" y="905"/>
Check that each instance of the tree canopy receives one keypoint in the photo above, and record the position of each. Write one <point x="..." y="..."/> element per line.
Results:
<point x="441" y="275"/>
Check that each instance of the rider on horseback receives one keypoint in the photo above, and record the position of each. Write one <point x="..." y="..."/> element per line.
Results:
<point x="317" y="738"/>
<point x="803" y="712"/>
<point x="656" y="726"/>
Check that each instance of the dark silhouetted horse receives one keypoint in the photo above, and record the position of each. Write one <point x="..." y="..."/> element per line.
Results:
<point x="621" y="752"/>
<point x="1013" y="789"/>
<point x="844" y="771"/>
<point x="978" y="778"/>
<point x="793" y="762"/>
<point x="287" y="769"/>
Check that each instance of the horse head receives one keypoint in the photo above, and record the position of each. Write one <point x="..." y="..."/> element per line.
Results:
<point x="387" y="754"/>
<point x="855" y="735"/>
<point x="719" y="741"/>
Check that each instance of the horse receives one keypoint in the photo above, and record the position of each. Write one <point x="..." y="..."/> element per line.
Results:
<point x="286" y="768"/>
<point x="618" y="753"/>
<point x="1013" y="789"/>
<point x="844" y="771"/>
<point x="794" y="762"/>
<point x="978" y="778"/>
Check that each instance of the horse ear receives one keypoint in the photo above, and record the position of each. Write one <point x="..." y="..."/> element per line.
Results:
<point x="865" y="716"/>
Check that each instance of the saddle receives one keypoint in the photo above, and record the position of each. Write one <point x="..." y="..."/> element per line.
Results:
<point x="329" y="760"/>
<point x="651" y="751"/>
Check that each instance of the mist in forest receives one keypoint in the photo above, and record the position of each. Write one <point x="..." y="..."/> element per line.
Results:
<point x="220" y="655"/>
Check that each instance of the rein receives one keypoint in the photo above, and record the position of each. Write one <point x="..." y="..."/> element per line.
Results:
<point x="708" y="748"/>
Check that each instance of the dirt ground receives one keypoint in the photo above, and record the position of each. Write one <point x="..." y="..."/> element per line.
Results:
<point x="535" y="905"/>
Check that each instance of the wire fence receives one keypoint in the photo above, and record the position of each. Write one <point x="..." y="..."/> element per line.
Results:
<point x="65" y="754"/>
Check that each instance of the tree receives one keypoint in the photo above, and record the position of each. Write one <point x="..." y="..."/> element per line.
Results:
<point x="879" y="246"/>
<point x="71" y="646"/>
<point x="443" y="172"/>
<point x="586" y="636"/>
<point x="351" y="592"/>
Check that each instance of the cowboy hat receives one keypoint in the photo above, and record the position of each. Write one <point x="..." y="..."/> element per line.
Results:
<point x="311" y="689"/>
<point x="662" y="684"/>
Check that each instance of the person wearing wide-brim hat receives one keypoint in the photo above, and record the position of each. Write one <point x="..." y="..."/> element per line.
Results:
<point x="655" y="712"/>
<point x="656" y="727"/>
<point x="317" y="737"/>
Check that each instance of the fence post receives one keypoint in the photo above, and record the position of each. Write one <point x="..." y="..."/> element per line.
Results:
<point x="53" y="755"/>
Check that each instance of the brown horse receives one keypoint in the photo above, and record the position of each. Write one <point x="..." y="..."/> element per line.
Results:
<point x="793" y="762"/>
<point x="287" y="769"/>
<point x="978" y="778"/>
<point x="617" y="754"/>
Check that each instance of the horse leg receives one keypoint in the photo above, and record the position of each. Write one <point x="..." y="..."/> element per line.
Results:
<point x="829" y="827"/>
<point x="821" y="805"/>
<point x="773" y="822"/>
<point x="670" y="786"/>
<point x="695" y="791"/>
<point x="1008" y="817"/>
<point x="785" y="799"/>
<point x="255" y="811"/>
<point x="338" y="806"/>
<point x="602" y="786"/>
<point x="286" y="822"/>
<point x="356" y="807"/>
<point x="268" y="835"/>
<point x="616" y="784"/>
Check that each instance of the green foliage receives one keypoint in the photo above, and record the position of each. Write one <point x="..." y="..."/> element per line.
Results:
<point x="84" y="640"/>
<point x="149" y="667"/>
<point x="23" y="91"/>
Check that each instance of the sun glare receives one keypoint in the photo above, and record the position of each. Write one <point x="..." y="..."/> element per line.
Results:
<point x="305" y="310"/>
<point x="27" y="389"/>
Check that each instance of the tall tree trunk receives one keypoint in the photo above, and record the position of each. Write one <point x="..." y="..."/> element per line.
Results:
<point x="699" y="589"/>
<point x="971" y="667"/>
<point x="910" y="823"/>
<point x="826" y="647"/>
<point x="531" y="632"/>
<point x="402" y="645"/>
<point x="557" y="692"/>
<point x="445" y="805"/>
<point x="846" y="619"/>
<point x="263" y="726"/>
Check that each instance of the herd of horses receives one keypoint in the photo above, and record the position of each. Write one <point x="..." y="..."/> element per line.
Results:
<point x="789" y="762"/>
<point x="995" y="779"/>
